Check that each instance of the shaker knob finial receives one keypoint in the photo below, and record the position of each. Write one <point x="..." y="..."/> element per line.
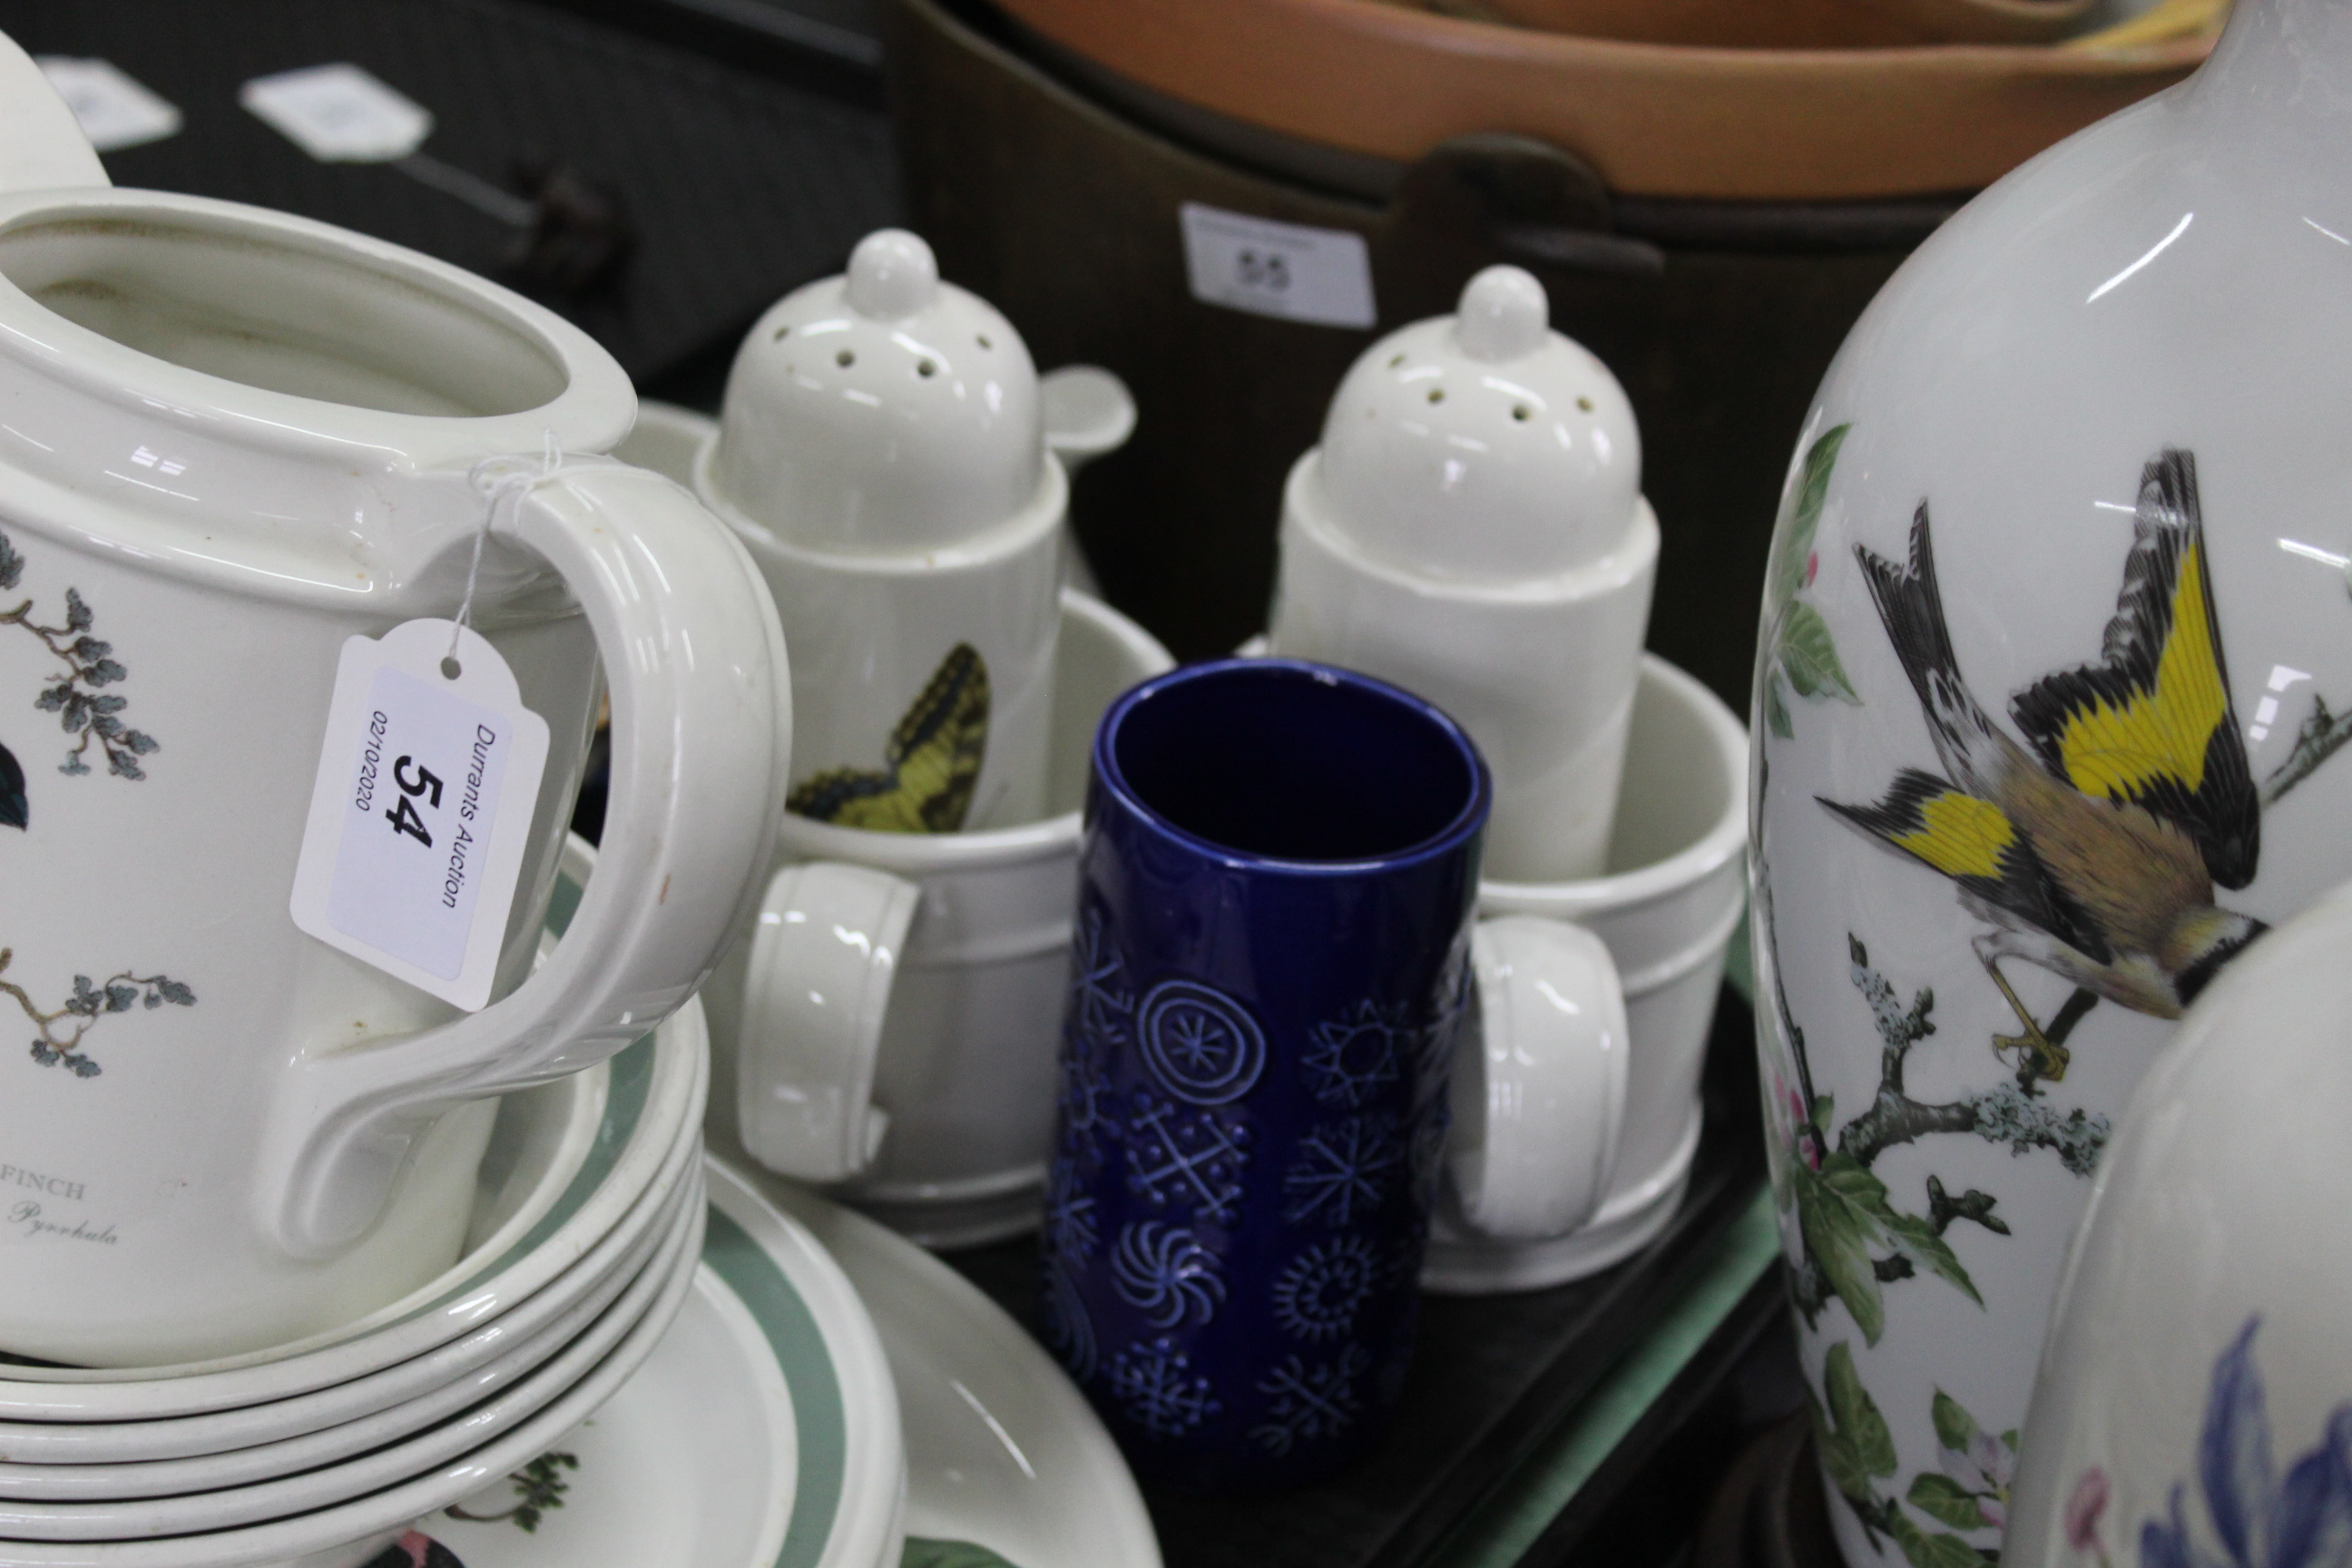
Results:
<point x="1504" y="316"/>
<point x="892" y="275"/>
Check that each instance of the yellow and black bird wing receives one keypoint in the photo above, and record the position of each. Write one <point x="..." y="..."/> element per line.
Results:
<point x="932" y="763"/>
<point x="2152" y="724"/>
<point x="1972" y="841"/>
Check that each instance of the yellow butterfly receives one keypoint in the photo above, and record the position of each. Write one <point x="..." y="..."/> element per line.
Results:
<point x="929" y="768"/>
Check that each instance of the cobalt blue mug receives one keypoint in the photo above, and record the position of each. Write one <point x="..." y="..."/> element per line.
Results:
<point x="1277" y="884"/>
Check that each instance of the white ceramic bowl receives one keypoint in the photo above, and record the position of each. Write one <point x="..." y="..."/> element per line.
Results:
<point x="655" y="1090"/>
<point x="221" y="1508"/>
<point x="210" y="1470"/>
<point x="814" y="1323"/>
<point x="542" y="1138"/>
<point x="114" y="1442"/>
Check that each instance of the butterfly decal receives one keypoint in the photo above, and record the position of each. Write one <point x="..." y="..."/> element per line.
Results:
<point x="930" y="767"/>
<point x="13" y="810"/>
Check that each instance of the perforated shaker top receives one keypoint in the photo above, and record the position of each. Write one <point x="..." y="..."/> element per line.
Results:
<point x="1483" y="446"/>
<point x="882" y="411"/>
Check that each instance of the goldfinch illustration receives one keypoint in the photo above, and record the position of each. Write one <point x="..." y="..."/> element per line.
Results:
<point x="2094" y="853"/>
<point x="930" y="767"/>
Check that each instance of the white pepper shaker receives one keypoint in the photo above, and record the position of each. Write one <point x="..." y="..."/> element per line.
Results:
<point x="882" y="454"/>
<point x="1472" y="528"/>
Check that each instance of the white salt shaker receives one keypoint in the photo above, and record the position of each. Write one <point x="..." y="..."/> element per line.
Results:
<point x="1472" y="529"/>
<point x="883" y="455"/>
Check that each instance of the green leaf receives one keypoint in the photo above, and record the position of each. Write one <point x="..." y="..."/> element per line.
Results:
<point x="1795" y="540"/>
<point x="2009" y="1439"/>
<point x="1918" y="1240"/>
<point x="1807" y="654"/>
<point x="1937" y="1550"/>
<point x="1944" y="1500"/>
<point x="1859" y="1422"/>
<point x="1839" y="1459"/>
<point x="1825" y="1111"/>
<point x="1775" y="710"/>
<point x="922" y="1553"/>
<point x="1838" y="1210"/>
<point x="1954" y="1428"/>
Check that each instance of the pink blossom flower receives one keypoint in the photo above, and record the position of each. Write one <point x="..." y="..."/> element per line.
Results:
<point x="2083" y="1507"/>
<point x="1812" y="566"/>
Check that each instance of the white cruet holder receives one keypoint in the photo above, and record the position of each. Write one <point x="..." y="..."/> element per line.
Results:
<point x="1472" y="528"/>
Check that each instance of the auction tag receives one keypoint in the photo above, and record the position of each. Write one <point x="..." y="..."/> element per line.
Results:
<point x="422" y="809"/>
<point x="1268" y="269"/>
<point x="338" y="113"/>
<point x="113" y="109"/>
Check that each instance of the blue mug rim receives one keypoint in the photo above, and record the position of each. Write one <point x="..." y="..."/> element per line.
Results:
<point x="1446" y="840"/>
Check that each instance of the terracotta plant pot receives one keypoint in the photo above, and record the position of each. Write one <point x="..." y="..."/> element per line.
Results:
<point x="1653" y="120"/>
<point x="1785" y="24"/>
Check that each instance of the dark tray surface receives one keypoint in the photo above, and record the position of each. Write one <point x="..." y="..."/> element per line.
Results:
<point x="1491" y="1377"/>
<point x="738" y="181"/>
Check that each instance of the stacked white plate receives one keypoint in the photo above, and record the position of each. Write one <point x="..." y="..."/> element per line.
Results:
<point x="587" y="1241"/>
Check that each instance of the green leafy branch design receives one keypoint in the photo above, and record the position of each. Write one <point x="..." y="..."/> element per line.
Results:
<point x="82" y="708"/>
<point x="1854" y="1239"/>
<point x="1970" y="1492"/>
<point x="62" y="1028"/>
<point x="539" y="1488"/>
<point x="1799" y="653"/>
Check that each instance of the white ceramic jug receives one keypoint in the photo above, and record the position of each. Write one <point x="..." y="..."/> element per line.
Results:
<point x="2194" y="1401"/>
<point x="230" y="440"/>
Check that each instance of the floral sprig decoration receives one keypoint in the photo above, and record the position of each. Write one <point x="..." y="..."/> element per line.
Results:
<point x="84" y="708"/>
<point x="63" y="1027"/>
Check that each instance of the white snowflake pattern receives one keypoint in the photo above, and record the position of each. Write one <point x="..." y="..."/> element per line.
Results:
<point x="1069" y="1331"/>
<point x="1318" y="1295"/>
<point x="1156" y="1385"/>
<point x="1317" y="1401"/>
<point x="1098" y="1005"/>
<point x="1166" y="1272"/>
<point x="1070" y="1220"/>
<point x="1187" y="1158"/>
<point x="1340" y="1170"/>
<point x="1200" y="1043"/>
<point x="1350" y="1059"/>
<point x="1084" y="1091"/>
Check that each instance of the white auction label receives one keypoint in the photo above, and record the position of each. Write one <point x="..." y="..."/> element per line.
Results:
<point x="422" y="809"/>
<point x="1288" y="269"/>
<point x="338" y="113"/>
<point x="115" y="109"/>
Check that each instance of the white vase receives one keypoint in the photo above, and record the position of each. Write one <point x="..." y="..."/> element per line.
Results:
<point x="2195" y="1397"/>
<point x="2054" y="633"/>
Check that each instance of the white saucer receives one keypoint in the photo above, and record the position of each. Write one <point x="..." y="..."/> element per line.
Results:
<point x="762" y="1434"/>
<point x="1001" y="1450"/>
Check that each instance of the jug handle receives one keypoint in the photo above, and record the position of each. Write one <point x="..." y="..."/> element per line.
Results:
<point x="701" y="739"/>
<point x="41" y="145"/>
